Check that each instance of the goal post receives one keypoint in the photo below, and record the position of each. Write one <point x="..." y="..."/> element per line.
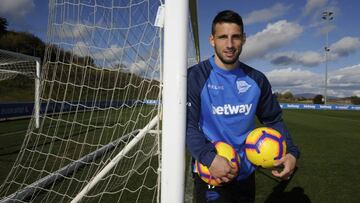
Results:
<point x="13" y="64"/>
<point x="174" y="101"/>
<point x="37" y="104"/>
<point x="113" y="89"/>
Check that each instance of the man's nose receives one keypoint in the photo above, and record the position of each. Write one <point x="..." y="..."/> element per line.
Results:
<point x="229" y="43"/>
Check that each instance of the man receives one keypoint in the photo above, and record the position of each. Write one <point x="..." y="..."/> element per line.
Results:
<point x="217" y="89"/>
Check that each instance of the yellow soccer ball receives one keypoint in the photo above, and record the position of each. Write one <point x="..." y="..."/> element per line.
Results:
<point x="222" y="149"/>
<point x="263" y="146"/>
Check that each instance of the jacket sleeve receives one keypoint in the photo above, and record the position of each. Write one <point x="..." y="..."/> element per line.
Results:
<point x="270" y="114"/>
<point x="200" y="148"/>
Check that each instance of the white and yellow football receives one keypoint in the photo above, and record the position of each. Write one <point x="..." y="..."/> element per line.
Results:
<point x="263" y="146"/>
<point x="222" y="149"/>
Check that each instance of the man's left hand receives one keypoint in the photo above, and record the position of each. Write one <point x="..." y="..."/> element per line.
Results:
<point x="289" y="163"/>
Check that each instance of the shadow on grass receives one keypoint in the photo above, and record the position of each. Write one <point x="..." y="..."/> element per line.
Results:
<point x="295" y="195"/>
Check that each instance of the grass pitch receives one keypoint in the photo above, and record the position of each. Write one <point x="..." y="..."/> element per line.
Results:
<point x="328" y="167"/>
<point x="327" y="170"/>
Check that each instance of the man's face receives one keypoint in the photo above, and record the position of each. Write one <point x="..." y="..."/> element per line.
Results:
<point x="227" y="41"/>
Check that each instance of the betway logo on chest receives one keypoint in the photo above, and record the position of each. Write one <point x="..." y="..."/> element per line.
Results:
<point x="229" y="109"/>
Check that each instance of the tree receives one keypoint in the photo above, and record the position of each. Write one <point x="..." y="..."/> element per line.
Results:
<point x="355" y="100"/>
<point x="288" y="96"/>
<point x="3" y="25"/>
<point x="318" y="99"/>
<point x="23" y="42"/>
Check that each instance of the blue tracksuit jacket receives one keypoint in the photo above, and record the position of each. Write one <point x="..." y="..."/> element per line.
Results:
<point x="222" y="106"/>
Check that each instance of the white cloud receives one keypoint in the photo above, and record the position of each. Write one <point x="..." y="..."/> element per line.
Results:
<point x="345" y="46"/>
<point x="356" y="93"/>
<point x="342" y="48"/>
<point x="347" y="78"/>
<point x="341" y="82"/>
<point x="81" y="49"/>
<point x="308" y="58"/>
<point x="138" y="68"/>
<point x="16" y="9"/>
<point x="110" y="58"/>
<point x="325" y="29"/>
<point x="142" y="68"/>
<point x="293" y="79"/>
<point x="266" y="14"/>
<point x="73" y="30"/>
<point x="296" y="81"/>
<point x="110" y="54"/>
<point x="312" y="5"/>
<point x="273" y="36"/>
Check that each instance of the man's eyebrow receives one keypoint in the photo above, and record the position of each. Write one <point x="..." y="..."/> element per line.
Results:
<point x="221" y="36"/>
<point x="225" y="35"/>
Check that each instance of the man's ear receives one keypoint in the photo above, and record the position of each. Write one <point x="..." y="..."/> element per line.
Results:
<point x="211" y="40"/>
<point x="244" y="38"/>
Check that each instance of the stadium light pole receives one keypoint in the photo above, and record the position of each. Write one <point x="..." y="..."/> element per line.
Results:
<point x="327" y="16"/>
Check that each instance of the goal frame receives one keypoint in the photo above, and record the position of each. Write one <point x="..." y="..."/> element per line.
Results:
<point x="174" y="101"/>
<point x="171" y="110"/>
<point x="37" y="79"/>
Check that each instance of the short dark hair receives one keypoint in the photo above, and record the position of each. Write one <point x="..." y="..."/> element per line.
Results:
<point x="227" y="16"/>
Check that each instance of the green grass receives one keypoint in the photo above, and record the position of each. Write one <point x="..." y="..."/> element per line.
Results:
<point x="22" y="89"/>
<point x="327" y="170"/>
<point x="328" y="167"/>
<point x="63" y="141"/>
<point x="11" y="138"/>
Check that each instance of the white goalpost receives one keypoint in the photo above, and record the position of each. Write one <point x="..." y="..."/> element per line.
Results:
<point x="13" y="64"/>
<point x="114" y="87"/>
<point x="174" y="102"/>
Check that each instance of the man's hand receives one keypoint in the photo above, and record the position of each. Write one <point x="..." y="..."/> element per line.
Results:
<point x="222" y="170"/>
<point x="289" y="163"/>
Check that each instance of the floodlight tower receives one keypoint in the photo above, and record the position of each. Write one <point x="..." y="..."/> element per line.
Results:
<point x="327" y="16"/>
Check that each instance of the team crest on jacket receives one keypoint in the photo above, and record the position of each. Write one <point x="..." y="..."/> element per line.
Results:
<point x="242" y="86"/>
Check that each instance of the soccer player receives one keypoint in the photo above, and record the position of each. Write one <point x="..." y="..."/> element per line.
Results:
<point x="224" y="96"/>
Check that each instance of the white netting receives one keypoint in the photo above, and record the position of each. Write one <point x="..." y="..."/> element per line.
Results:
<point x="13" y="64"/>
<point x="100" y="85"/>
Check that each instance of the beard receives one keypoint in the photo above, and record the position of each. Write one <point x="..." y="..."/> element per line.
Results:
<point x="226" y="60"/>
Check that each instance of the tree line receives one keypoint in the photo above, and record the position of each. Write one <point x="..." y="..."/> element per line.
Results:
<point x="288" y="97"/>
<point x="66" y="67"/>
<point x="22" y="42"/>
<point x="29" y="44"/>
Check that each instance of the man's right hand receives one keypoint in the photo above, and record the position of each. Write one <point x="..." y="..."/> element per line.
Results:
<point x="222" y="170"/>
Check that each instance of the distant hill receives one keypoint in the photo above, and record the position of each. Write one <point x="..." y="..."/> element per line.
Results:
<point x="305" y="95"/>
<point x="311" y="95"/>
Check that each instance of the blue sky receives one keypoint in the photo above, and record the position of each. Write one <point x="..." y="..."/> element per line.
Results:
<point x="285" y="39"/>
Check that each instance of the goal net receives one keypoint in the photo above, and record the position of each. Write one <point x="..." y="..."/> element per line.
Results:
<point x="101" y="95"/>
<point x="13" y="64"/>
